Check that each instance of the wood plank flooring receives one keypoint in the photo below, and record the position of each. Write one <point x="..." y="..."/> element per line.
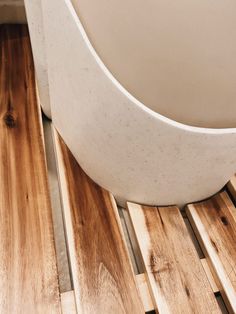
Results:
<point x="28" y="273"/>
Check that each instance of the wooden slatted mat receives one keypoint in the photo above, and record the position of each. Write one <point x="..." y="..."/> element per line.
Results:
<point x="103" y="278"/>
<point x="28" y="274"/>
<point x="214" y="222"/>
<point x="175" y="274"/>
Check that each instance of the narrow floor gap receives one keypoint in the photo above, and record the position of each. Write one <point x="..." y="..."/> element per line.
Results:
<point x="63" y="264"/>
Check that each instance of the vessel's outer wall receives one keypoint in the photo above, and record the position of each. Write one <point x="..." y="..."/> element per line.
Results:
<point x="138" y="155"/>
<point x="35" y="23"/>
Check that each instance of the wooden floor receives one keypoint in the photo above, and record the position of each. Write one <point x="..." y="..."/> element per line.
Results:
<point x="65" y="245"/>
<point x="28" y="271"/>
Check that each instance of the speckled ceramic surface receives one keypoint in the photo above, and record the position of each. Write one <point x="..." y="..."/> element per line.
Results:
<point x="136" y="153"/>
<point x="35" y="22"/>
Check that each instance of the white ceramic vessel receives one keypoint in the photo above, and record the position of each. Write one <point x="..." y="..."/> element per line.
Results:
<point x="127" y="146"/>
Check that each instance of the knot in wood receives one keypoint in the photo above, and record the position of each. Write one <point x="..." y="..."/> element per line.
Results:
<point x="9" y="120"/>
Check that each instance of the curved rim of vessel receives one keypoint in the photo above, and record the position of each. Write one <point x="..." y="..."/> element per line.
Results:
<point x="133" y="99"/>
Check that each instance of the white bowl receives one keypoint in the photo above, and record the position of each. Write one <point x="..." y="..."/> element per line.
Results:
<point x="123" y="145"/>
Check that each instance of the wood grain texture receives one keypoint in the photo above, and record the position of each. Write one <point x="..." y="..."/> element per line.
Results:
<point x="29" y="282"/>
<point x="174" y="271"/>
<point x="144" y="292"/>
<point x="210" y="277"/>
<point x="214" y="222"/>
<point x="103" y="278"/>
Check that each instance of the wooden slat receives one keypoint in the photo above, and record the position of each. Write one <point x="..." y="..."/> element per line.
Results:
<point x="68" y="302"/>
<point x="174" y="271"/>
<point x="103" y="278"/>
<point x="28" y="273"/>
<point x="144" y="292"/>
<point x="210" y="277"/>
<point x="133" y="241"/>
<point x="214" y="222"/>
<point x="232" y="187"/>
<point x="128" y="241"/>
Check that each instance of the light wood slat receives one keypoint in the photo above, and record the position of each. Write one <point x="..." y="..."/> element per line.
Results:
<point x="133" y="241"/>
<point x="28" y="273"/>
<point x="102" y="274"/>
<point x="175" y="274"/>
<point x="128" y="242"/>
<point x="232" y="187"/>
<point x="144" y="292"/>
<point x="214" y="222"/>
<point x="210" y="277"/>
<point x="68" y="302"/>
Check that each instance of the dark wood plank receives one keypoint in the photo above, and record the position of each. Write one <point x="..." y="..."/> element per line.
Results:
<point x="174" y="271"/>
<point x="214" y="222"/>
<point x="28" y="271"/>
<point x="103" y="279"/>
